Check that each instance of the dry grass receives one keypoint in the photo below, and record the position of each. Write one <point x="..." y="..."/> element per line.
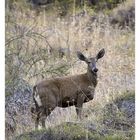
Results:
<point x="116" y="69"/>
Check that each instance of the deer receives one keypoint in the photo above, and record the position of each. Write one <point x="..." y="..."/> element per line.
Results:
<point x="66" y="91"/>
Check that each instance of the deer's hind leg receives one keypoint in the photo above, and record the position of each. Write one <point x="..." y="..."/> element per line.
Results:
<point x="46" y="112"/>
<point x="37" y="121"/>
<point x="41" y="116"/>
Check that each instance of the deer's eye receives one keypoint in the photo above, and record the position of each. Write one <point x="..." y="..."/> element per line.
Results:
<point x="89" y="62"/>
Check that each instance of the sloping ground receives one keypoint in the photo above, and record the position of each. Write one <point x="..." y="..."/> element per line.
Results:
<point x="117" y="123"/>
<point x="122" y="12"/>
<point x="124" y="16"/>
<point x="120" y="115"/>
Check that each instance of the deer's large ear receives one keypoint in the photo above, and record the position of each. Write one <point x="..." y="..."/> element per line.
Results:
<point x="100" y="54"/>
<point x="81" y="56"/>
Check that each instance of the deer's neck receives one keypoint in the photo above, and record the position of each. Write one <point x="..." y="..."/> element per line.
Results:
<point x="92" y="78"/>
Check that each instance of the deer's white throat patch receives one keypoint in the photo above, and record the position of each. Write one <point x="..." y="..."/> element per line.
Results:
<point x="37" y="98"/>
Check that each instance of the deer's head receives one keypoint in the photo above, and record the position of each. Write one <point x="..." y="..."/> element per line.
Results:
<point x="91" y="62"/>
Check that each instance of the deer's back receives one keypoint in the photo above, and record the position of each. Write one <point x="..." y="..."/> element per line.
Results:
<point x="56" y="92"/>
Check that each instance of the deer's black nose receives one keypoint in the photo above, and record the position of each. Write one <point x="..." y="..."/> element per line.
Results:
<point x="95" y="70"/>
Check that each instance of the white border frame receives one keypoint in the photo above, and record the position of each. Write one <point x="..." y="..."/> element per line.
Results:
<point x="2" y="70"/>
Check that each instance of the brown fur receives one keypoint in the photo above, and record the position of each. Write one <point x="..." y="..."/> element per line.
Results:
<point x="66" y="91"/>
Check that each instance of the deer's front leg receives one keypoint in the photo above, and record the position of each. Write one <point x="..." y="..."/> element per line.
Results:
<point x="79" y="112"/>
<point x="37" y="121"/>
<point x="79" y="105"/>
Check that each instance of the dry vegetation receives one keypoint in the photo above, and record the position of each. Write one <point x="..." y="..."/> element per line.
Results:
<point x="35" y="43"/>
